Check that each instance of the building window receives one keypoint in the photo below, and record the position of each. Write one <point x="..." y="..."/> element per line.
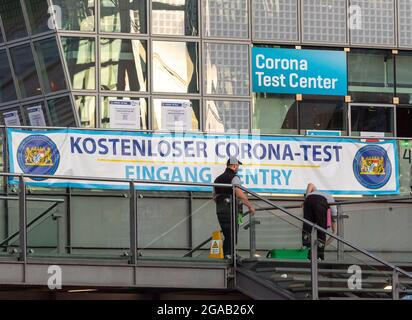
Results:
<point x="35" y="114"/>
<point x="50" y="65"/>
<point x="37" y="12"/>
<point x="13" y="20"/>
<point x="275" y="20"/>
<point x="226" y="69"/>
<point x="274" y="114"/>
<point x="371" y="76"/>
<point x="7" y="90"/>
<point x="403" y="121"/>
<point x="25" y="71"/>
<point x="11" y="117"/>
<point x="77" y="15"/>
<point x="185" y="117"/>
<point x="322" y="113"/>
<point x="404" y="77"/>
<point x="224" y="116"/>
<point x="86" y="110"/>
<point x="81" y="62"/>
<point x="226" y="19"/>
<point x="175" y="67"/>
<point x="175" y="17"/>
<point x="377" y="23"/>
<point x="105" y="112"/>
<point x="126" y="16"/>
<point x="123" y="64"/>
<point x="61" y="112"/>
<point x="372" y="118"/>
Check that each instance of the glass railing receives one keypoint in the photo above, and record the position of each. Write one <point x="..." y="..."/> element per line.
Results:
<point x="90" y="223"/>
<point x="9" y="232"/>
<point x="381" y="228"/>
<point x="171" y="226"/>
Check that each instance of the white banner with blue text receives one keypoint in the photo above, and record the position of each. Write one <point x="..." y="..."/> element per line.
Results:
<point x="270" y="164"/>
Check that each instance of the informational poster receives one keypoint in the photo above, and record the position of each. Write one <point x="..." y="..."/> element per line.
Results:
<point x="176" y="115"/>
<point x="11" y="118"/>
<point x="270" y="164"/>
<point x="36" y="116"/>
<point x="124" y="114"/>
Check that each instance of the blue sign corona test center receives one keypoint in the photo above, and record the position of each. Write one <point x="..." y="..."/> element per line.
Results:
<point x="299" y="71"/>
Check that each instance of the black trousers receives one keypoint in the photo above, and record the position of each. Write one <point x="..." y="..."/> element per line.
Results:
<point x="223" y="210"/>
<point x="315" y="209"/>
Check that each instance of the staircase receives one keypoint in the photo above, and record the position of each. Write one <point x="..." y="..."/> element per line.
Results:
<point x="348" y="271"/>
<point x="291" y="279"/>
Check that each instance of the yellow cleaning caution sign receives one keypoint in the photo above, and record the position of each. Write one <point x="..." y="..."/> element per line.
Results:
<point x="216" y="246"/>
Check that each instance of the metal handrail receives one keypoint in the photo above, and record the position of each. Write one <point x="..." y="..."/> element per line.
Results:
<point x="33" y="199"/>
<point x="160" y="182"/>
<point x="318" y="228"/>
<point x="343" y="203"/>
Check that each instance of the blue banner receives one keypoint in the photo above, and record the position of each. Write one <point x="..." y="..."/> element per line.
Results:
<point x="316" y="72"/>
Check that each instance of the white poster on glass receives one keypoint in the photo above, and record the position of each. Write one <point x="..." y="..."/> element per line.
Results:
<point x="124" y="114"/>
<point x="36" y="116"/>
<point x="176" y="115"/>
<point x="11" y="118"/>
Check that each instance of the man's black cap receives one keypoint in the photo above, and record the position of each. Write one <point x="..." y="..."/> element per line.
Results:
<point x="233" y="160"/>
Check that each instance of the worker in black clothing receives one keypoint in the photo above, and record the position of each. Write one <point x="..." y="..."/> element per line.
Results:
<point x="315" y="209"/>
<point x="223" y="195"/>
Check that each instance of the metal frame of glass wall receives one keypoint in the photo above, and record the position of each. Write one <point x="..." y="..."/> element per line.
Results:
<point x="225" y="36"/>
<point x="44" y="97"/>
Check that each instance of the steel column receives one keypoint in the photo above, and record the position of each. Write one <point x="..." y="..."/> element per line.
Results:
<point x="23" y="219"/>
<point x="395" y="285"/>
<point x="314" y="263"/>
<point x="133" y="223"/>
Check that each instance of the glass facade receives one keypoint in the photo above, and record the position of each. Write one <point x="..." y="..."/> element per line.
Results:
<point x="76" y="15"/>
<point x="37" y="13"/>
<point x="274" y="113"/>
<point x="322" y="113"/>
<point x="86" y="111"/>
<point x="12" y="19"/>
<point x="50" y="65"/>
<point x="38" y="120"/>
<point x="80" y="59"/>
<point x="7" y="89"/>
<point x="370" y="118"/>
<point x="25" y="71"/>
<point x="123" y="16"/>
<point x="161" y="124"/>
<point x="371" y="75"/>
<point x="123" y="64"/>
<point x="404" y="77"/>
<point x="200" y="51"/>
<point x="105" y="113"/>
<point x="61" y="111"/>
<point x="175" y="17"/>
<point x="175" y="67"/>
<point x="227" y="116"/>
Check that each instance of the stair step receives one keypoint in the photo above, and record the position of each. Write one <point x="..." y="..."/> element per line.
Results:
<point x="338" y="289"/>
<point x="323" y="279"/>
<point x="308" y="270"/>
